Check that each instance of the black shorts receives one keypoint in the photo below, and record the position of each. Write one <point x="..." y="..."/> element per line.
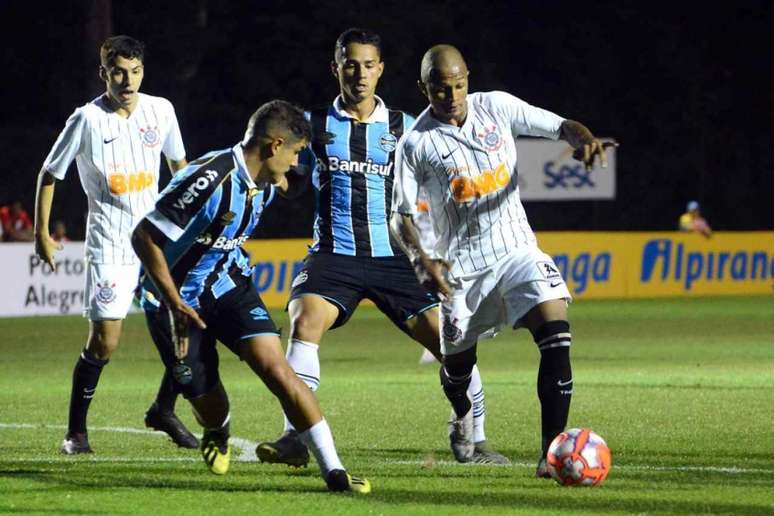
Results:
<point x="236" y="316"/>
<point x="343" y="280"/>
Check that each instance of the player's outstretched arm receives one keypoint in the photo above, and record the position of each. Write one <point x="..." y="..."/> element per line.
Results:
<point x="45" y="246"/>
<point x="587" y="147"/>
<point x="431" y="273"/>
<point x="147" y="241"/>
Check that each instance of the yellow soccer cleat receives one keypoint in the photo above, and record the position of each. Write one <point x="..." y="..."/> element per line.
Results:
<point x="216" y="453"/>
<point x="339" y="480"/>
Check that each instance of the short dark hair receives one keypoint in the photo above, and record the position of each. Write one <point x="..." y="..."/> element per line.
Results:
<point x="277" y="116"/>
<point x="124" y="46"/>
<point x="356" y="35"/>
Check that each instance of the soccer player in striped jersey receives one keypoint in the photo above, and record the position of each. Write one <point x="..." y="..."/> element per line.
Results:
<point x="353" y="256"/>
<point x="201" y="290"/>
<point x="461" y="151"/>
<point x="116" y="141"/>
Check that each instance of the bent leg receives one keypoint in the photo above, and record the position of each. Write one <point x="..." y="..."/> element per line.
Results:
<point x="551" y="331"/>
<point x="310" y="317"/>
<point x="424" y="328"/>
<point x="264" y="356"/>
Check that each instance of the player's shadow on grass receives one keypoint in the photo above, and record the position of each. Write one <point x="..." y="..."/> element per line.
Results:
<point x="561" y="500"/>
<point x="19" y="509"/>
<point x="647" y="456"/>
<point x="99" y="477"/>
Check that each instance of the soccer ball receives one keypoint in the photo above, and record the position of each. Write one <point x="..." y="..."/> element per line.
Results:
<point x="579" y="457"/>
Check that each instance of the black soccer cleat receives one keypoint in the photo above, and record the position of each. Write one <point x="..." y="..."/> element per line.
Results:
<point x="169" y="423"/>
<point x="339" y="480"/>
<point x="75" y="443"/>
<point x="288" y="449"/>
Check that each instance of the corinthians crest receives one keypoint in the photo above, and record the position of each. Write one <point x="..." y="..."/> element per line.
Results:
<point x="491" y="138"/>
<point x="106" y="292"/>
<point x="150" y="136"/>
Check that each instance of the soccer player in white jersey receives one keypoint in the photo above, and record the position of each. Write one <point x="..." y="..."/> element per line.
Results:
<point x="461" y="152"/>
<point x="116" y="141"/>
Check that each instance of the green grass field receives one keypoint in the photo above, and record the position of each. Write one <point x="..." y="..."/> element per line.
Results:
<point x="682" y="390"/>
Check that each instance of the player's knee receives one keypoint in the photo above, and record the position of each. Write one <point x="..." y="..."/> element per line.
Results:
<point x="309" y="325"/>
<point x="281" y="379"/>
<point x="102" y="345"/>
<point x="553" y="340"/>
<point x="552" y="335"/>
<point x="203" y="380"/>
<point x="460" y="365"/>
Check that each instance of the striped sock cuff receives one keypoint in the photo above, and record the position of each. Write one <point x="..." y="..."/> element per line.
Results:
<point x="553" y="334"/>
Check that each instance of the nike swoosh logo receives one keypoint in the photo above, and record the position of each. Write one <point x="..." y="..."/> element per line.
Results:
<point x="563" y="384"/>
<point x="556" y="284"/>
<point x="106" y="141"/>
<point x="447" y="155"/>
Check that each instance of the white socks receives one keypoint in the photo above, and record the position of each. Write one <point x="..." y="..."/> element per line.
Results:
<point x="319" y="439"/>
<point x="303" y="359"/>
<point x="476" y="392"/>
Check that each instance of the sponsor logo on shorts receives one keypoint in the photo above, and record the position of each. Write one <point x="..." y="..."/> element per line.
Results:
<point x="549" y="271"/>
<point x="451" y="332"/>
<point x="301" y="278"/>
<point x="105" y="292"/>
<point x="150" y="136"/>
<point x="388" y="142"/>
<point x="259" y="314"/>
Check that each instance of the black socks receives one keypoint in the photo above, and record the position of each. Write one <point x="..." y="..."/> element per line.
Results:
<point x="554" y="382"/>
<point x="85" y="378"/>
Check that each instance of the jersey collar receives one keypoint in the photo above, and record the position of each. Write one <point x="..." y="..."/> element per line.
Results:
<point x="380" y="114"/>
<point x="239" y="158"/>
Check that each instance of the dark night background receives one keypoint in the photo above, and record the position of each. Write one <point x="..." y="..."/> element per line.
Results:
<point x="686" y="89"/>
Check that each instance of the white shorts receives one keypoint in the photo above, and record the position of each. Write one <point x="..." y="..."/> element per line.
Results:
<point x="109" y="290"/>
<point x="501" y="294"/>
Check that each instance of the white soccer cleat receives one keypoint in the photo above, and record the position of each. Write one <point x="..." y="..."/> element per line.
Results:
<point x="461" y="436"/>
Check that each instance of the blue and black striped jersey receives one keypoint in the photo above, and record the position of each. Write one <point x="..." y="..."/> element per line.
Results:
<point x="207" y="212"/>
<point x="352" y="174"/>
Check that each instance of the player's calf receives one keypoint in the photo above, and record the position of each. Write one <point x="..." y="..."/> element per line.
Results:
<point x="455" y="374"/>
<point x="553" y="339"/>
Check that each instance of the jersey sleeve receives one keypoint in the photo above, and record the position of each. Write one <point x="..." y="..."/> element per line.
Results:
<point x="405" y="188"/>
<point x="188" y="197"/>
<point x="173" y="147"/>
<point x="526" y="119"/>
<point x="408" y="122"/>
<point x="68" y="144"/>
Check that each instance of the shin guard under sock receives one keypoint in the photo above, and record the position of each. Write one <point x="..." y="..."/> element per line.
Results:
<point x="85" y="378"/>
<point x="554" y="382"/>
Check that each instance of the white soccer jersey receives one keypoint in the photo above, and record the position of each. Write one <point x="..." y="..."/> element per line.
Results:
<point x="118" y="162"/>
<point x="470" y="177"/>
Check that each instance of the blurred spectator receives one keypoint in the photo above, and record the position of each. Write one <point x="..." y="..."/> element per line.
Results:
<point x="17" y="225"/>
<point x="60" y="232"/>
<point x="692" y="220"/>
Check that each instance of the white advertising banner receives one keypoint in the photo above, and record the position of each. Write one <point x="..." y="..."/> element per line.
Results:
<point x="548" y="172"/>
<point x="31" y="287"/>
